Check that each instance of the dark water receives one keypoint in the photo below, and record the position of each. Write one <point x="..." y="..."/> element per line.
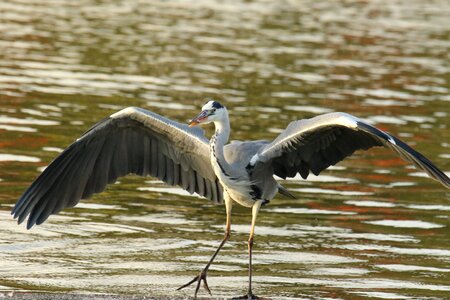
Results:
<point x="371" y="227"/>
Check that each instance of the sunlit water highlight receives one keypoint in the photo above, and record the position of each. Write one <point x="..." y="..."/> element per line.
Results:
<point x="370" y="227"/>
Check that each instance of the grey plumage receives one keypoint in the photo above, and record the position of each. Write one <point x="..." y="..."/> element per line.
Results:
<point x="312" y="145"/>
<point x="138" y="141"/>
<point x="144" y="143"/>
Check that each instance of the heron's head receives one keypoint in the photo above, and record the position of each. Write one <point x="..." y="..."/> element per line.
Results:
<point x="212" y="111"/>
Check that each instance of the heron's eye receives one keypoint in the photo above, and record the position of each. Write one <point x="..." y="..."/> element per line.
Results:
<point x="213" y="110"/>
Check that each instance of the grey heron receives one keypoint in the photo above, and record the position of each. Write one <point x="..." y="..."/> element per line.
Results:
<point x="135" y="140"/>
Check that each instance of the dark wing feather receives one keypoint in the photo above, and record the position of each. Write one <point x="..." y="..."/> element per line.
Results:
<point x="131" y="141"/>
<point x="315" y="144"/>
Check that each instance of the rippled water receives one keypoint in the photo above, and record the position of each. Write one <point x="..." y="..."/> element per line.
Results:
<point x="371" y="227"/>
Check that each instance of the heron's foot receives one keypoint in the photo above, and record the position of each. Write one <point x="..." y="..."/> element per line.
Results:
<point x="249" y="296"/>
<point x="199" y="279"/>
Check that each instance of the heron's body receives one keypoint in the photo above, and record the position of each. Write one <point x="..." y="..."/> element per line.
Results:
<point x="138" y="141"/>
<point x="257" y="186"/>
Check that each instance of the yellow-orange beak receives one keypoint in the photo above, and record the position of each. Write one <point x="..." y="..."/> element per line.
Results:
<point x="193" y="123"/>
<point x="201" y="117"/>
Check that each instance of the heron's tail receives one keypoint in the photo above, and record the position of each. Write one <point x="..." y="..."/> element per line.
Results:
<point x="284" y="191"/>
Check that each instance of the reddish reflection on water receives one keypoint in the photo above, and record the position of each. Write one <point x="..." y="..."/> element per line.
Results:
<point x="371" y="227"/>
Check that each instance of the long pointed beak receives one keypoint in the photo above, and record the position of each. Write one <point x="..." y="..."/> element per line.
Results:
<point x="201" y="117"/>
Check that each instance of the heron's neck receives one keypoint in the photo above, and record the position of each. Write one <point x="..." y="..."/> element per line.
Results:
<point x="217" y="143"/>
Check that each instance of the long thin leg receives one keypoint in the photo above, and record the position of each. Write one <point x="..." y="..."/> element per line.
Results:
<point x="202" y="276"/>
<point x="255" y="210"/>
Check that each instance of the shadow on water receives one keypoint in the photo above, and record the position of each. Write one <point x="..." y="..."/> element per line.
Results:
<point x="370" y="227"/>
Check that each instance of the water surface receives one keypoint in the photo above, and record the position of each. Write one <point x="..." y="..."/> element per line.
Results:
<point x="370" y="227"/>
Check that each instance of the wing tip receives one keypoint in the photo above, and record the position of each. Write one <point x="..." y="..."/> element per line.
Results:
<point x="417" y="158"/>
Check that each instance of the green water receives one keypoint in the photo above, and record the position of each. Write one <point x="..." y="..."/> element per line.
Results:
<point x="371" y="227"/>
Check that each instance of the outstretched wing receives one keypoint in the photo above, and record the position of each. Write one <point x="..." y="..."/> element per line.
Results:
<point x="132" y="140"/>
<point x="312" y="145"/>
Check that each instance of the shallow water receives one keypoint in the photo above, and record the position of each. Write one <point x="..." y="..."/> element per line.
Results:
<point x="370" y="227"/>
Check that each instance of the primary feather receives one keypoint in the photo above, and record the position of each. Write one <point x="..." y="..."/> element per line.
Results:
<point x="135" y="140"/>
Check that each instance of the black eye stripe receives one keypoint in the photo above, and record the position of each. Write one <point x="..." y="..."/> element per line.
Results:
<point x="216" y="105"/>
